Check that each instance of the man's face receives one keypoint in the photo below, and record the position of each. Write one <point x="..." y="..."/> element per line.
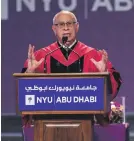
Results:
<point x="65" y="25"/>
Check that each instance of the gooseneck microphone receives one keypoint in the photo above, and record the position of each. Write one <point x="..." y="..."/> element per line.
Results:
<point x="64" y="40"/>
<point x="80" y="70"/>
<point x="45" y="63"/>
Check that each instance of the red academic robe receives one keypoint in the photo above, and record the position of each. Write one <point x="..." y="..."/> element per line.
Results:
<point x="88" y="66"/>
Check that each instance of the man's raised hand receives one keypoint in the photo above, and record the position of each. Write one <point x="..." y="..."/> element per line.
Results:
<point x="32" y="62"/>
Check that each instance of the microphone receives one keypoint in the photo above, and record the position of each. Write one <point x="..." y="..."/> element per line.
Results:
<point x="80" y="70"/>
<point x="45" y="63"/>
<point x="64" y="40"/>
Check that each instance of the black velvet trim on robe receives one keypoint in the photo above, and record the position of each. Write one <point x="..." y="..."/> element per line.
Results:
<point x="57" y="67"/>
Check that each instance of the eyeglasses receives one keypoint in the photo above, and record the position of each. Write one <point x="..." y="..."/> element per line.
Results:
<point x="62" y="24"/>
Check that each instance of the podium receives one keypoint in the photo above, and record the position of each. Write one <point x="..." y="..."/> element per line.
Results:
<point x="63" y="104"/>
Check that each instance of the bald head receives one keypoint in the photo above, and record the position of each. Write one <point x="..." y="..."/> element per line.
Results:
<point x="65" y="24"/>
<point x="63" y="12"/>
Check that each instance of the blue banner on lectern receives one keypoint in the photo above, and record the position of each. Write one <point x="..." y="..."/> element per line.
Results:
<point x="61" y="94"/>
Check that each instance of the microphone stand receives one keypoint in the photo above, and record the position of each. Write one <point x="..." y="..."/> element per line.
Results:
<point x="80" y="70"/>
<point x="64" y="40"/>
<point x="45" y="63"/>
<point x="67" y="57"/>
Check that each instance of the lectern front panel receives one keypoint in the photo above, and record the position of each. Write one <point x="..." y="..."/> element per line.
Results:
<point x="67" y="130"/>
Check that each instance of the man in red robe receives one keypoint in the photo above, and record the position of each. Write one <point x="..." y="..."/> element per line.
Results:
<point x="68" y="55"/>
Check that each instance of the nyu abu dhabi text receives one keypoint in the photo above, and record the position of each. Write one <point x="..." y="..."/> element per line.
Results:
<point x="32" y="100"/>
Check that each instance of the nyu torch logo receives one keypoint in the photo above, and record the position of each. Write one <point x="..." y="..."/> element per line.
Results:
<point x="29" y="99"/>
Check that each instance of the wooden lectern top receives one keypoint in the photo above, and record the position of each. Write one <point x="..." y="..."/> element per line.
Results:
<point x="95" y="74"/>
